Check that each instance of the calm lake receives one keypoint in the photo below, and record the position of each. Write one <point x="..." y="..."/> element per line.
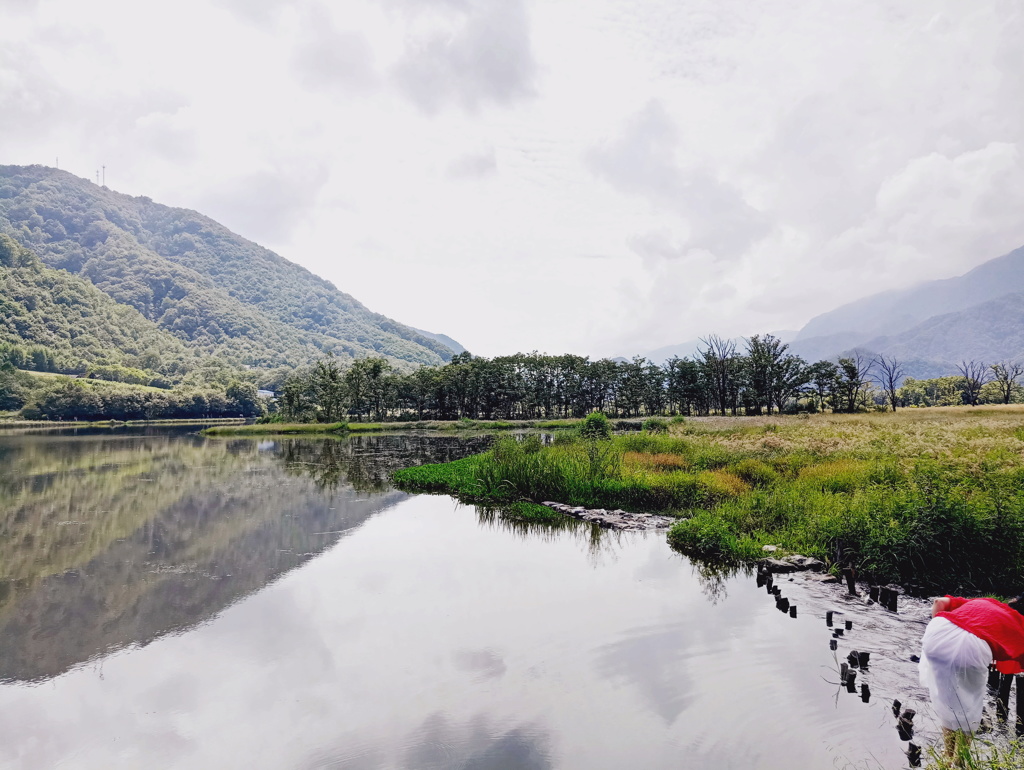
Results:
<point x="170" y="601"/>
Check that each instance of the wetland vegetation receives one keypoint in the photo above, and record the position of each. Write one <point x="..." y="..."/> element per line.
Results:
<point x="927" y="497"/>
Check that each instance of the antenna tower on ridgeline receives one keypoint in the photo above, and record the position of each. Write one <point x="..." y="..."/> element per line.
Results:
<point x="104" y="175"/>
<point x="97" y="176"/>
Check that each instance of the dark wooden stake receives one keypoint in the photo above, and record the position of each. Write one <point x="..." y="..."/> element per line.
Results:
<point x="833" y="644"/>
<point x="828" y="618"/>
<point x="865" y="692"/>
<point x="792" y="611"/>
<point x="873" y="593"/>
<point x="914" y="755"/>
<point x="851" y="576"/>
<point x="849" y="625"/>
<point x="863" y="658"/>
<point x="1020" y="706"/>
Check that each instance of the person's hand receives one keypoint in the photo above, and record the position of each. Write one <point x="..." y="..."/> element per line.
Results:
<point x="940" y="605"/>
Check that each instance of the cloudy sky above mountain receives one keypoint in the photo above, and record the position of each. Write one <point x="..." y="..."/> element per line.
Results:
<point x="596" y="176"/>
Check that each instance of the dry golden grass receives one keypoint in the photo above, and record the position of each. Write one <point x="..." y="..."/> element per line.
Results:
<point x="963" y="435"/>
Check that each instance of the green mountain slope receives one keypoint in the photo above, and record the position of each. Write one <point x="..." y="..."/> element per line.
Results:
<point x="76" y="323"/>
<point x="192" y="277"/>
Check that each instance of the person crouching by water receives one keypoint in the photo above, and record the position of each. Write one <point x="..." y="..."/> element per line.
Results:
<point x="962" y="639"/>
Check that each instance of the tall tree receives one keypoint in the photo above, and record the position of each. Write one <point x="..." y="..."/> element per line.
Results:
<point x="1005" y="375"/>
<point x="328" y="385"/>
<point x="720" y="363"/>
<point x="853" y="382"/>
<point x="890" y="376"/>
<point x="975" y="375"/>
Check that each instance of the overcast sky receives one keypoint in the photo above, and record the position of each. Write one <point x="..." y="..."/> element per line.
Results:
<point x="593" y="176"/>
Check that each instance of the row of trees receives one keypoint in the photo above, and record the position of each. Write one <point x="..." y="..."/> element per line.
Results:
<point x="761" y="378"/>
<point x="75" y="400"/>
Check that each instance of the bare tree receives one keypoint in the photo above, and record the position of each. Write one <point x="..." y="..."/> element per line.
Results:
<point x="1005" y="376"/>
<point x="719" y="361"/>
<point x="890" y="377"/>
<point x="975" y="376"/>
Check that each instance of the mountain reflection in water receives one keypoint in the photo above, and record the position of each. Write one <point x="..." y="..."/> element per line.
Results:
<point x="108" y="540"/>
<point x="164" y="588"/>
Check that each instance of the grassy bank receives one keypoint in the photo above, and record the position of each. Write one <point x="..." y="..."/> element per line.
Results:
<point x="15" y="422"/>
<point x="930" y="497"/>
<point x="484" y="426"/>
<point x="278" y="428"/>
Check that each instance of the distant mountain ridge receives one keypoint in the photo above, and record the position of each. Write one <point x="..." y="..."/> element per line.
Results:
<point x="930" y="328"/>
<point x="933" y="326"/>
<point x="891" y="312"/>
<point x="216" y="291"/>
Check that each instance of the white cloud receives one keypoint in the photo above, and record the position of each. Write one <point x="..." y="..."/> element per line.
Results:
<point x="455" y="163"/>
<point x="325" y="57"/>
<point x="478" y="52"/>
<point x="474" y="165"/>
<point x="642" y="161"/>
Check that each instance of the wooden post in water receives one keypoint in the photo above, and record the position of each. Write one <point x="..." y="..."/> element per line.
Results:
<point x="914" y="755"/>
<point x="828" y="617"/>
<point x="850" y="574"/>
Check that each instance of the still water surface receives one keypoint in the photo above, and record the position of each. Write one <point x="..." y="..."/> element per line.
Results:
<point x="175" y="602"/>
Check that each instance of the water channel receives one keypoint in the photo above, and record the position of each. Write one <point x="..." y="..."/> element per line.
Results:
<point x="178" y="602"/>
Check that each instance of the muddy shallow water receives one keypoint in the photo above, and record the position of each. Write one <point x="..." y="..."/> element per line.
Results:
<point x="167" y="601"/>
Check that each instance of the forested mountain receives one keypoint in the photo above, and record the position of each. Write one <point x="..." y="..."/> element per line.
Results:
<point x="55" y="321"/>
<point x="193" y="278"/>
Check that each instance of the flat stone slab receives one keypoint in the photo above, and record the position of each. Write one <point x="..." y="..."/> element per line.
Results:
<point x="617" y="519"/>
<point x="794" y="563"/>
<point x="805" y="562"/>
<point x="777" y="565"/>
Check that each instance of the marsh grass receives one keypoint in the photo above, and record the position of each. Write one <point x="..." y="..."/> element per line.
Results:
<point x="933" y="497"/>
<point x="981" y="755"/>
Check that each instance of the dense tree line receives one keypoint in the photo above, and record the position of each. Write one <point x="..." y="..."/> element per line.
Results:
<point x="75" y="400"/>
<point x="761" y="378"/>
